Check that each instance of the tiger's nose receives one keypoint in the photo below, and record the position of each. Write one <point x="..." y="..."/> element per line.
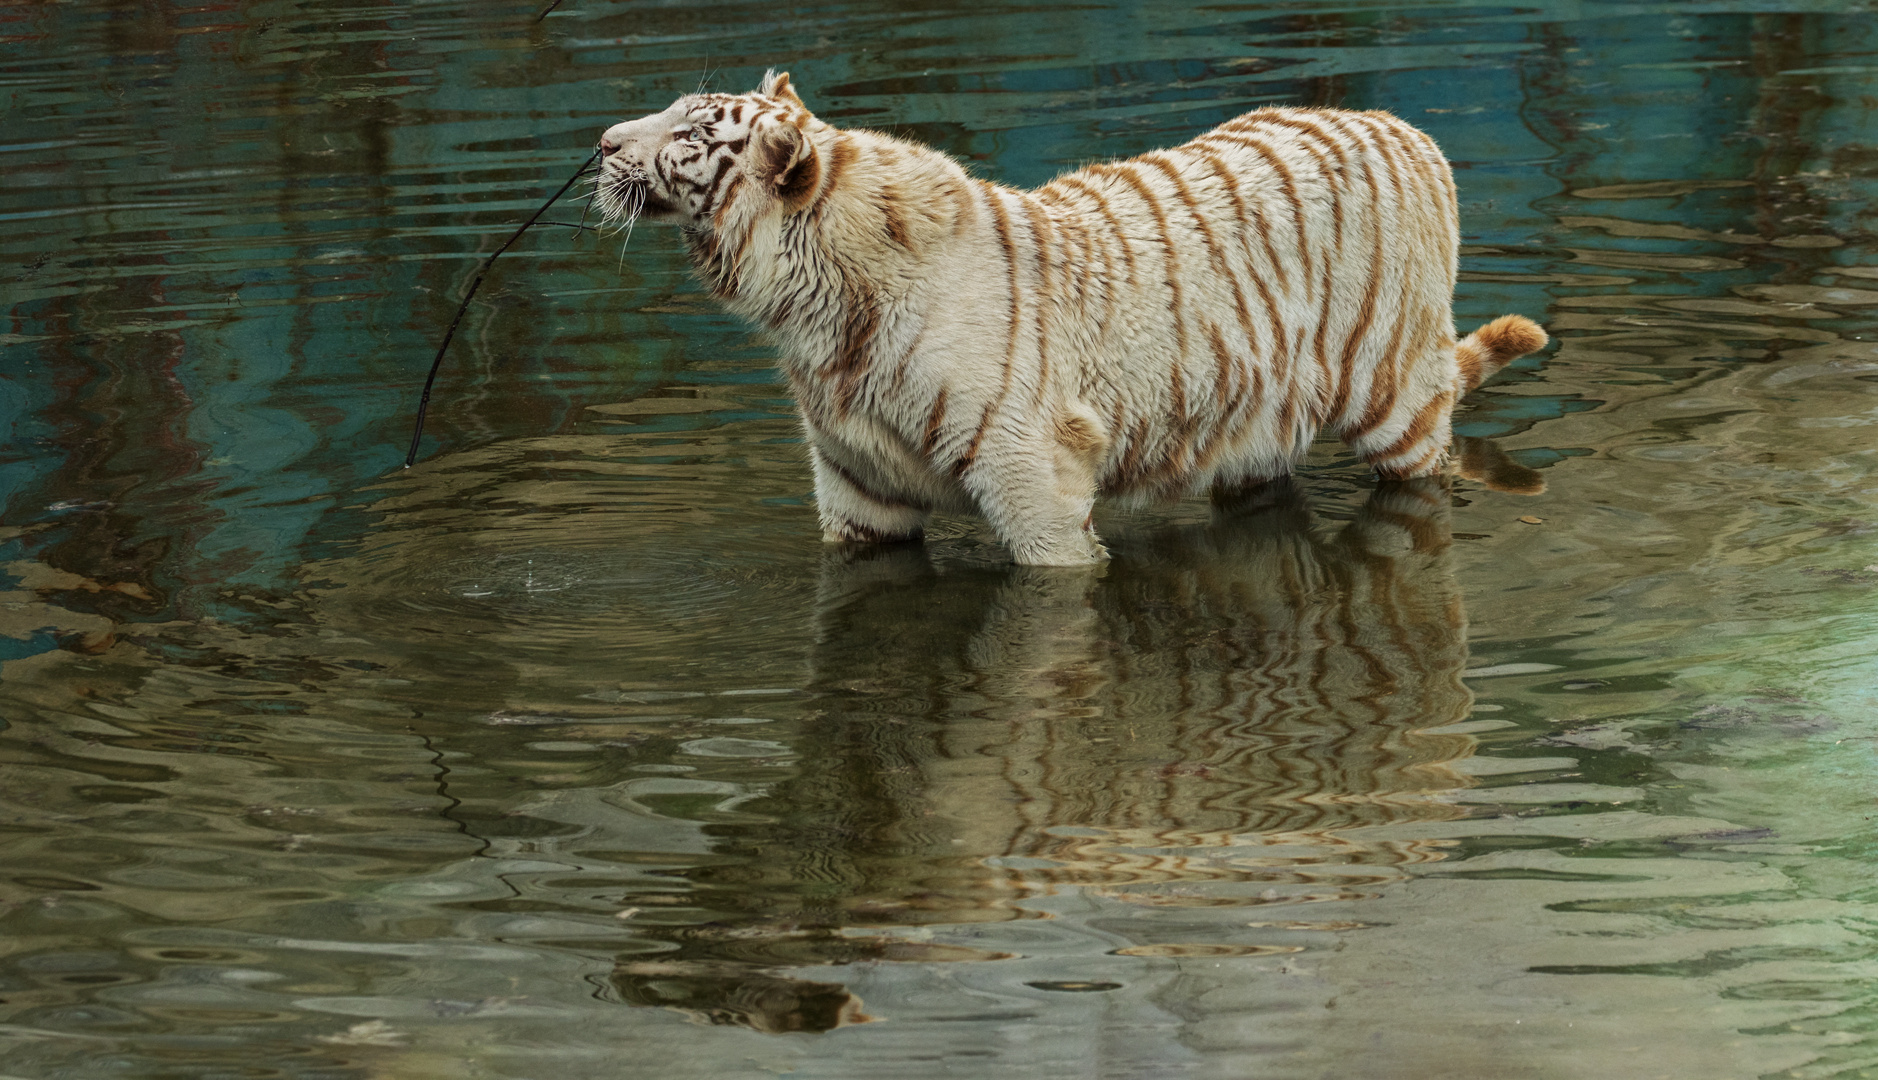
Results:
<point x="608" y="147"/>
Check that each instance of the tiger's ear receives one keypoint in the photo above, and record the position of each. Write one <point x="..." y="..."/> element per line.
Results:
<point x="788" y="165"/>
<point x="776" y="85"/>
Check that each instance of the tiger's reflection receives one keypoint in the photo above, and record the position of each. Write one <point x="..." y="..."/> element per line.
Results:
<point x="1200" y="724"/>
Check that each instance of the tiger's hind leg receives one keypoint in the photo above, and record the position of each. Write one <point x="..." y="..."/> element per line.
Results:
<point x="854" y="511"/>
<point x="1412" y="438"/>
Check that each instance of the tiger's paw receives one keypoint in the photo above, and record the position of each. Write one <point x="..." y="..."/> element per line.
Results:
<point x="853" y="532"/>
<point x="1080" y="548"/>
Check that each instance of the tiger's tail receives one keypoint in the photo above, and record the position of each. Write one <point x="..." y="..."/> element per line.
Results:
<point x="1495" y="345"/>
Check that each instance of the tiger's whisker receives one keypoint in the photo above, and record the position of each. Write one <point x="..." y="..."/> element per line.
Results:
<point x="586" y="206"/>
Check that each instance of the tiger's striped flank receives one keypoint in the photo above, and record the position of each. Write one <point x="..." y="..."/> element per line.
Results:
<point x="1183" y="320"/>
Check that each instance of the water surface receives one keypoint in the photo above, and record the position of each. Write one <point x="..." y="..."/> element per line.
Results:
<point x="572" y="749"/>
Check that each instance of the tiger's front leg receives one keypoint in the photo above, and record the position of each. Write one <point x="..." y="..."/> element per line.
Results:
<point x="1038" y="491"/>
<point x="853" y="511"/>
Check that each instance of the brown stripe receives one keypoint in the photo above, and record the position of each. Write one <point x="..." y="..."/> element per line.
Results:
<point x="906" y="361"/>
<point x="1332" y="177"/>
<point x="1247" y="219"/>
<point x="1115" y="420"/>
<point x="1369" y="173"/>
<point x="1177" y="392"/>
<point x="855" y="353"/>
<point x="1175" y="461"/>
<point x="1133" y="179"/>
<point x="1330" y="183"/>
<point x="1411" y="205"/>
<point x="1083" y="245"/>
<point x="1425" y="178"/>
<point x="1332" y="404"/>
<point x="935" y="424"/>
<point x="1040" y="237"/>
<point x="707" y="254"/>
<point x="1222" y="372"/>
<point x="1212" y="245"/>
<point x="730" y="193"/>
<point x="1291" y="120"/>
<point x="1102" y="207"/>
<point x="1213" y="252"/>
<point x="840" y="155"/>
<point x="1422" y="426"/>
<point x="1176" y="455"/>
<point x="1417" y="468"/>
<point x="1415" y="159"/>
<point x="1212" y="441"/>
<point x="1281" y="349"/>
<point x="1287" y="415"/>
<point x="1128" y="471"/>
<point x="1359" y="331"/>
<point x="868" y="493"/>
<point x="970" y="457"/>
<point x="809" y="400"/>
<point x="1185" y="195"/>
<point x="743" y="243"/>
<point x="1256" y="399"/>
<point x="729" y="273"/>
<point x="1384" y="379"/>
<point x="995" y="196"/>
<point x="1285" y="181"/>
<point x="781" y="313"/>
<point x="725" y="163"/>
<point x="896" y="222"/>
<point x="1379" y="144"/>
<point x="1328" y="389"/>
<point x="1380" y="133"/>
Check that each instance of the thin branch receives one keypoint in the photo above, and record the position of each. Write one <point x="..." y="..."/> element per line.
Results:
<point x="423" y="405"/>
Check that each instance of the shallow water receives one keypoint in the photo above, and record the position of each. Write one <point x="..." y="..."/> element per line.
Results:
<point x="573" y="750"/>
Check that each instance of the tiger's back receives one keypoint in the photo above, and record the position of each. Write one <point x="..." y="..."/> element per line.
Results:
<point x="1148" y="327"/>
<point x="1290" y="270"/>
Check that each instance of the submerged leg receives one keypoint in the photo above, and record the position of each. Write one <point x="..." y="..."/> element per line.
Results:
<point x="1039" y="494"/>
<point x="1413" y="440"/>
<point x="1244" y="498"/>
<point x="853" y="511"/>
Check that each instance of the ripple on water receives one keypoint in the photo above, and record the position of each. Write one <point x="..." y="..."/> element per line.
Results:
<point x="411" y="813"/>
<point x="570" y="585"/>
<point x="1207" y="951"/>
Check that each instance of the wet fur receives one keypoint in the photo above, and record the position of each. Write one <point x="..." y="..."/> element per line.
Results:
<point x="1186" y="319"/>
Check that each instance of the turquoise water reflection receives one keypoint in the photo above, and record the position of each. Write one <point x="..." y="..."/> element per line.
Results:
<point x="571" y="749"/>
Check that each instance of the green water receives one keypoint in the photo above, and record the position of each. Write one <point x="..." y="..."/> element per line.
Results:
<point x="572" y="753"/>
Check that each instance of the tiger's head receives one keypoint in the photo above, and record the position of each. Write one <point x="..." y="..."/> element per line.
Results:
<point x="711" y="157"/>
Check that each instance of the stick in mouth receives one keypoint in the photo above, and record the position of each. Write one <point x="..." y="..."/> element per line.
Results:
<point x="423" y="404"/>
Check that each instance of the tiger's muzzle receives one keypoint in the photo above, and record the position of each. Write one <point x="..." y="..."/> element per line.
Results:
<point x="628" y="187"/>
<point x="627" y="193"/>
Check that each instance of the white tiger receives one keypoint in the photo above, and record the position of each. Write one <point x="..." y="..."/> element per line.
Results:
<point x="1148" y="327"/>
